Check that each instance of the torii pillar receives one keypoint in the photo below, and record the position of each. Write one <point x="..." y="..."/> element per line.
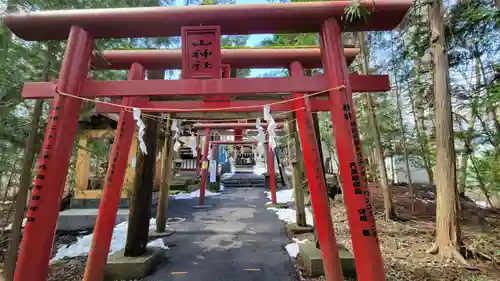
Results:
<point x="271" y="171"/>
<point x="204" y="166"/>
<point x="117" y="165"/>
<point x="38" y="236"/>
<point x="366" y="247"/>
<point x="317" y="185"/>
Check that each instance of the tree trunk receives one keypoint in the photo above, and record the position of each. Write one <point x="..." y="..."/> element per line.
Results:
<point x="463" y="172"/>
<point x="405" y="148"/>
<point x="468" y="134"/>
<point x="377" y="143"/>
<point x="166" y="175"/>
<point x="419" y="115"/>
<point x="140" y="203"/>
<point x="480" y="180"/>
<point x="26" y="178"/>
<point x="293" y="144"/>
<point x="331" y="191"/>
<point x="448" y="238"/>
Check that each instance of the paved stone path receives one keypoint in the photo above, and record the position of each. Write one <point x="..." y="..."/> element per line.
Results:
<point x="236" y="240"/>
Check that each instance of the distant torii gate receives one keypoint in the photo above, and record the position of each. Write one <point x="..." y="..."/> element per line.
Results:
<point x="80" y="27"/>
<point x="210" y="126"/>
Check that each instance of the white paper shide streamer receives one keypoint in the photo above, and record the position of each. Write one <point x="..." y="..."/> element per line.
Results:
<point x="271" y="126"/>
<point x="261" y="138"/>
<point x="141" y="127"/>
<point x="191" y="143"/>
<point x="175" y="128"/>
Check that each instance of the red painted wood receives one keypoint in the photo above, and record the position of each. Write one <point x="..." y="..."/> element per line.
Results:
<point x="200" y="87"/>
<point x="198" y="156"/>
<point x="115" y="175"/>
<point x="231" y="125"/>
<point x="204" y="166"/>
<point x="317" y="186"/>
<point x="235" y="142"/>
<point x="201" y="106"/>
<point x="238" y="134"/>
<point x="369" y="265"/>
<point x="52" y="167"/>
<point x="225" y="73"/>
<point x="271" y="171"/>
<point x="237" y="58"/>
<point x="233" y="19"/>
<point x="201" y="55"/>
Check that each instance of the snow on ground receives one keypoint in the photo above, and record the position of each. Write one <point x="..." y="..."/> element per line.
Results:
<point x="82" y="246"/>
<point x="194" y="194"/>
<point x="158" y="243"/>
<point x="293" y="248"/>
<point x="288" y="215"/>
<point x="282" y="196"/>
<point x="259" y="168"/>
<point x="9" y="227"/>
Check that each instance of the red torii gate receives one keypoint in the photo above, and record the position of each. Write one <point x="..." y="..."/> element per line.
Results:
<point x="85" y="25"/>
<point x="270" y="154"/>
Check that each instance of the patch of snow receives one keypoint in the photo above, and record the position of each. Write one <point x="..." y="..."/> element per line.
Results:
<point x="282" y="196"/>
<point x="194" y="194"/>
<point x="259" y="170"/>
<point x="221" y="187"/>
<point x="82" y="246"/>
<point x="309" y="217"/>
<point x="9" y="227"/>
<point x="158" y="243"/>
<point x="292" y="249"/>
<point x="482" y="204"/>
<point x="288" y="215"/>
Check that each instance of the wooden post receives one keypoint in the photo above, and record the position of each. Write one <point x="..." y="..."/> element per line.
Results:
<point x="140" y="203"/>
<point x="293" y="143"/>
<point x="128" y="184"/>
<point x="166" y="175"/>
<point x="82" y="169"/>
<point x="320" y="148"/>
<point x="300" y="155"/>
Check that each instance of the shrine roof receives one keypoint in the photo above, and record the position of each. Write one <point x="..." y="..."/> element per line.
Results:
<point x="236" y="58"/>
<point x="233" y="19"/>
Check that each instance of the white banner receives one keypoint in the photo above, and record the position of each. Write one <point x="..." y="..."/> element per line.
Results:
<point x="212" y="170"/>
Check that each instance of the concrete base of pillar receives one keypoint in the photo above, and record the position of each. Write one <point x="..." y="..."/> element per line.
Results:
<point x="155" y="235"/>
<point x="277" y="205"/>
<point x="310" y="257"/>
<point x="293" y="228"/>
<point x="120" y="267"/>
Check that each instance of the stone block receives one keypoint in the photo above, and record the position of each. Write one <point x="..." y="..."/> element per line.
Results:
<point x="156" y="235"/>
<point x="120" y="267"/>
<point x="310" y="257"/>
<point x="78" y="219"/>
<point x="277" y="205"/>
<point x="293" y="228"/>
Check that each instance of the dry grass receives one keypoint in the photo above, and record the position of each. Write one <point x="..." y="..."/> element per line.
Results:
<point x="404" y="244"/>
